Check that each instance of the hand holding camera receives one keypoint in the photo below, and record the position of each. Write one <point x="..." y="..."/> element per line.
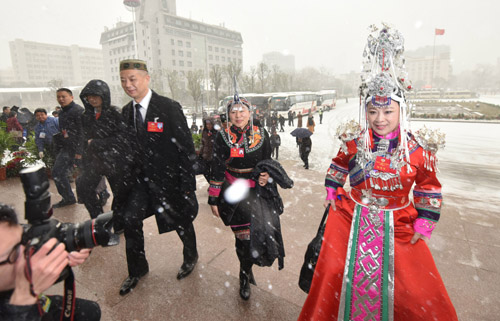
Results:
<point x="44" y="270"/>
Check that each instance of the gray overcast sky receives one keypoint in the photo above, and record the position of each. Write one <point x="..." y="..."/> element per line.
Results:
<point x="328" y="33"/>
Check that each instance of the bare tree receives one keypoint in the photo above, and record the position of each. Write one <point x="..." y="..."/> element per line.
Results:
<point x="233" y="69"/>
<point x="173" y="82"/>
<point x="54" y="84"/>
<point x="195" y="79"/>
<point x="216" y="79"/>
<point x="252" y="75"/>
<point x="262" y="74"/>
<point x="157" y="79"/>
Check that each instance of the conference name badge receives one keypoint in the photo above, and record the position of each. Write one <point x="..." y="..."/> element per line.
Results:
<point x="384" y="165"/>
<point x="237" y="152"/>
<point x="156" y="126"/>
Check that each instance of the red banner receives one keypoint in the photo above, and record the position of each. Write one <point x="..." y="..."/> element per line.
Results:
<point x="439" y="32"/>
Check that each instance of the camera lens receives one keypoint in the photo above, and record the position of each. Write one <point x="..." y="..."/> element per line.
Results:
<point x="91" y="233"/>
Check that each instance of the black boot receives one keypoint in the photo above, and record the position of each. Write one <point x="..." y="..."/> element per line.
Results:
<point x="244" y="285"/>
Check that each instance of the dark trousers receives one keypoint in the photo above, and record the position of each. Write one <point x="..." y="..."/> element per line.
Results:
<point x="282" y="125"/>
<point x="207" y="170"/>
<point x="89" y="180"/>
<point x="273" y="149"/>
<point x="305" y="158"/>
<point x="62" y="169"/>
<point x="135" y="213"/>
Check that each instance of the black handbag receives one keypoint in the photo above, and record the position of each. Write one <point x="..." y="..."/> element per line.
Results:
<point x="312" y="254"/>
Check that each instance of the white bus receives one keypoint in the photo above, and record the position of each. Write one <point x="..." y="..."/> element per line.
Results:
<point x="303" y="102"/>
<point x="260" y="102"/>
<point x="327" y="99"/>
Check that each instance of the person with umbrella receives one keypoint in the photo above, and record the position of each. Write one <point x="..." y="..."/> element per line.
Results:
<point x="304" y="142"/>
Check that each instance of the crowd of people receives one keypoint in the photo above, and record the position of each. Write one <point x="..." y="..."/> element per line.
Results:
<point x="145" y="152"/>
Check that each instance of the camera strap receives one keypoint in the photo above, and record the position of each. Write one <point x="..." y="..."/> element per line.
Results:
<point x="68" y="308"/>
<point x="68" y="311"/>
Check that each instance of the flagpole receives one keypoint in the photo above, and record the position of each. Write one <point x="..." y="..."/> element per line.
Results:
<point x="433" y="50"/>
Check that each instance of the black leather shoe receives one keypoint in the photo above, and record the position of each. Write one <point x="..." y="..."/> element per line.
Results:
<point x="63" y="203"/>
<point x="186" y="269"/>
<point x="129" y="283"/>
<point x="244" y="285"/>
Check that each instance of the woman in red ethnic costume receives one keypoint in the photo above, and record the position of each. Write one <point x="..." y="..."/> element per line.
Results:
<point x="374" y="262"/>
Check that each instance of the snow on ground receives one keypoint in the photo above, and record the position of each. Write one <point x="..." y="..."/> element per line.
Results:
<point x="469" y="165"/>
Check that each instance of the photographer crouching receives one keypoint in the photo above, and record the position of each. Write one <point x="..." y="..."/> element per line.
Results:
<point x="21" y="286"/>
<point x="36" y="255"/>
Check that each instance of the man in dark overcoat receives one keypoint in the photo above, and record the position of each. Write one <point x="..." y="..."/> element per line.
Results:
<point x="166" y="183"/>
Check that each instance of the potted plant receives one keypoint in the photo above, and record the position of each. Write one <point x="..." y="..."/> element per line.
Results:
<point x="6" y="143"/>
<point x="197" y="142"/>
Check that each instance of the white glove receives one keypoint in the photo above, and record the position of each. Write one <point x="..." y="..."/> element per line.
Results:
<point x="40" y="154"/>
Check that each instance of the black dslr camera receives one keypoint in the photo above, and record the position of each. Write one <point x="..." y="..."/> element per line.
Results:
<point x="41" y="227"/>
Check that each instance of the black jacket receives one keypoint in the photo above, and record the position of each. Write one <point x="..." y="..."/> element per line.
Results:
<point x="70" y="124"/>
<point x="275" y="140"/>
<point x="266" y="242"/>
<point x="112" y="145"/>
<point x="166" y="160"/>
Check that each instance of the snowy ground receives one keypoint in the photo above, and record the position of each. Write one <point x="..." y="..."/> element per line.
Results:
<point x="469" y="166"/>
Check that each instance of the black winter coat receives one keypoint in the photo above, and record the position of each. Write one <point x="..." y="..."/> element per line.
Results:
<point x="266" y="241"/>
<point x="166" y="161"/>
<point x="113" y="144"/>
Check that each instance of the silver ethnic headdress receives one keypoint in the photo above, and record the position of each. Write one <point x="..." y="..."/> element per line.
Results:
<point x="383" y="80"/>
<point x="239" y="101"/>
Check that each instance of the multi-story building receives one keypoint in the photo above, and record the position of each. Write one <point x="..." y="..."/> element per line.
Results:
<point x="7" y="76"/>
<point x="168" y="42"/>
<point x="38" y="63"/>
<point x="428" y="66"/>
<point x="286" y="63"/>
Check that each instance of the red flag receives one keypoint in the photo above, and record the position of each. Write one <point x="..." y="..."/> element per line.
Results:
<point x="439" y="32"/>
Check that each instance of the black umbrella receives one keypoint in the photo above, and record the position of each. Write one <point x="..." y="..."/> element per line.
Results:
<point x="301" y="132"/>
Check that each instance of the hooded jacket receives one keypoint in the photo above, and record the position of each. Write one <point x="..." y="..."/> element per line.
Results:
<point x="111" y="142"/>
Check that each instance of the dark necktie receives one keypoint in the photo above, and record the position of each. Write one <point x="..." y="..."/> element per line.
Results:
<point x="139" y="122"/>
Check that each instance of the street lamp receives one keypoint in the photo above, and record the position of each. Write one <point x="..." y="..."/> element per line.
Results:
<point x="132" y="6"/>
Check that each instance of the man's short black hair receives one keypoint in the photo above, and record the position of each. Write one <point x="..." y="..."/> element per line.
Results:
<point x="41" y="110"/>
<point x="8" y="215"/>
<point x="66" y="90"/>
<point x="5" y="107"/>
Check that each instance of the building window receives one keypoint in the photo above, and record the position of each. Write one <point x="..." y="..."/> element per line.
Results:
<point x="181" y="53"/>
<point x="172" y="41"/>
<point x="179" y="43"/>
<point x="222" y="50"/>
<point x="188" y="54"/>
<point x="209" y="48"/>
<point x="159" y="51"/>
<point x="190" y="64"/>
<point x="234" y="52"/>
<point x="181" y="63"/>
<point x="173" y="52"/>
<point x="216" y="49"/>
<point x="188" y="44"/>
<point x="223" y="58"/>
<point x="210" y="57"/>
<point x="216" y="58"/>
<point x="173" y="62"/>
